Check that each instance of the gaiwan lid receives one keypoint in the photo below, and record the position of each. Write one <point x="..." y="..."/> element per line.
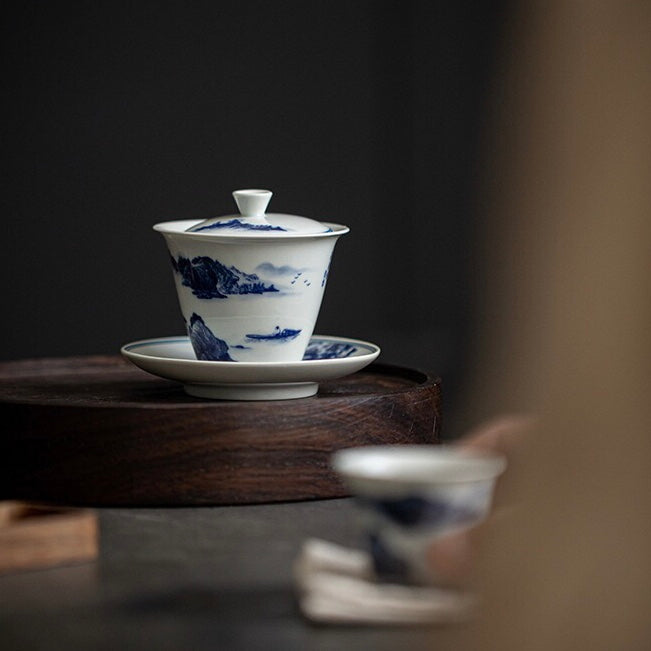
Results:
<point x="253" y="221"/>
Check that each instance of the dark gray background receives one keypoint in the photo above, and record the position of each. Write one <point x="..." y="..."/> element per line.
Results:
<point x="118" y="115"/>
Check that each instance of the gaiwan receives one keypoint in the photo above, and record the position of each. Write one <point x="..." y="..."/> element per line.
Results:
<point x="250" y="285"/>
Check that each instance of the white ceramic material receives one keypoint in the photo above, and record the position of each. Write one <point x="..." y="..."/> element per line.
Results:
<point x="326" y="358"/>
<point x="411" y="495"/>
<point x="250" y="285"/>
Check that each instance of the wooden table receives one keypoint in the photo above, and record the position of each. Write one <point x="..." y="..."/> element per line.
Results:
<point x="96" y="430"/>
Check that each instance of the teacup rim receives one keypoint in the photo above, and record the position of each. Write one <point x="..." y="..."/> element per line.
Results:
<point x="355" y="465"/>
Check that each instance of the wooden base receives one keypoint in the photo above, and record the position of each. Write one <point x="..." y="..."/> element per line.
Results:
<point x="97" y="430"/>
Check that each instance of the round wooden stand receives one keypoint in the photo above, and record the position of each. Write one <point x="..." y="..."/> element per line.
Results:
<point x="98" y="431"/>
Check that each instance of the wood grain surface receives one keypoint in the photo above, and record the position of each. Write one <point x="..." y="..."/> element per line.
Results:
<point x="95" y="430"/>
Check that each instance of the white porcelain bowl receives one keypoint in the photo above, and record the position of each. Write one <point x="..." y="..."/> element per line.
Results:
<point x="250" y="286"/>
<point x="411" y="495"/>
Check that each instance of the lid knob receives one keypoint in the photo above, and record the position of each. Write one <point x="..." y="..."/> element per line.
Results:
<point x="252" y="203"/>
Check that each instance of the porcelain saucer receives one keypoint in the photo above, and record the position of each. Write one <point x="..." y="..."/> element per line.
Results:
<point x="326" y="358"/>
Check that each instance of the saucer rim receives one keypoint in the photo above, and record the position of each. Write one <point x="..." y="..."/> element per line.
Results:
<point x="374" y="350"/>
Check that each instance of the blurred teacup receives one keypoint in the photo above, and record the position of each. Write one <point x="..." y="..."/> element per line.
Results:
<point x="409" y="496"/>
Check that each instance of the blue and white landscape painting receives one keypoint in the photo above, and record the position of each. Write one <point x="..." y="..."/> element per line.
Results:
<point x="210" y="278"/>
<point x="269" y="269"/>
<point x="278" y="335"/>
<point x="206" y="346"/>
<point x="236" y="224"/>
<point x="209" y="347"/>
<point x="324" y="349"/>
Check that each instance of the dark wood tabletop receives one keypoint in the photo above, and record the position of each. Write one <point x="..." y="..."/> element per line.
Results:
<point x="96" y="430"/>
<point x="193" y="578"/>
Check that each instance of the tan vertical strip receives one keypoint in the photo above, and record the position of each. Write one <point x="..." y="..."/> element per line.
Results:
<point x="566" y="312"/>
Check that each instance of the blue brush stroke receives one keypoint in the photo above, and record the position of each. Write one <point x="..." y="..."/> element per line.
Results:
<point x="237" y="224"/>
<point x="328" y="350"/>
<point x="206" y="345"/>
<point x="387" y="565"/>
<point x="417" y="511"/>
<point x="286" y="334"/>
<point x="285" y="270"/>
<point x="210" y="278"/>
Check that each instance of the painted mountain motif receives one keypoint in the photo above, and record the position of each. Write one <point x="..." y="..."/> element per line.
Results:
<point x="206" y="345"/>
<point x="237" y="224"/>
<point x="210" y="278"/>
<point x="286" y="334"/>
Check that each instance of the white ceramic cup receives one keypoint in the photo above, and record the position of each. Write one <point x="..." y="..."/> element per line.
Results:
<point x="411" y="495"/>
<point x="250" y="286"/>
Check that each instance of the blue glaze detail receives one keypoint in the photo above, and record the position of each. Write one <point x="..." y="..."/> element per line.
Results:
<point x="206" y="345"/>
<point x="237" y="224"/>
<point x="286" y="334"/>
<point x="417" y="511"/>
<point x="386" y="564"/>
<point x="412" y="510"/>
<point x="321" y="349"/>
<point x="210" y="278"/>
<point x="284" y="270"/>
